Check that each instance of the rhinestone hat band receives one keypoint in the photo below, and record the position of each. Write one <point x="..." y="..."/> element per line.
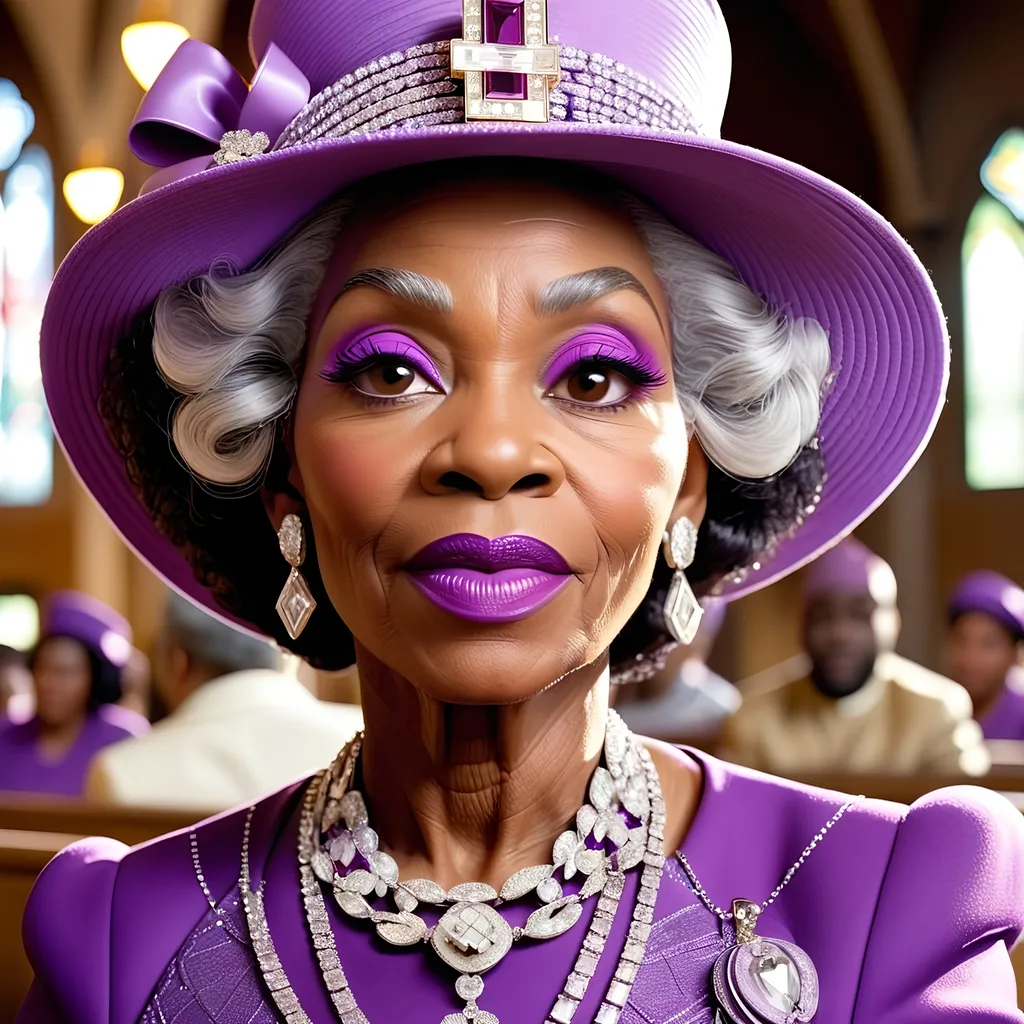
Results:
<point x="414" y="88"/>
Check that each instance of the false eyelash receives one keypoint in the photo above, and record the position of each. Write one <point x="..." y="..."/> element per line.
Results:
<point x="366" y="352"/>
<point x="641" y="369"/>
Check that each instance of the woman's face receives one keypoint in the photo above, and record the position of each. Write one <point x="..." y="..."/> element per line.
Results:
<point x="63" y="680"/>
<point x="494" y="362"/>
<point x="981" y="653"/>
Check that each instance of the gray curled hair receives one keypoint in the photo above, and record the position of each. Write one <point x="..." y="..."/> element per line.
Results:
<point x="231" y="345"/>
<point x="749" y="379"/>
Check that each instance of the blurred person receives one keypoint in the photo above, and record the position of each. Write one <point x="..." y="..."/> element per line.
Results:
<point x="237" y="726"/>
<point x="76" y="673"/>
<point x="685" y="700"/>
<point x="986" y="641"/>
<point x="136" y="684"/>
<point x="862" y="708"/>
<point x="15" y="684"/>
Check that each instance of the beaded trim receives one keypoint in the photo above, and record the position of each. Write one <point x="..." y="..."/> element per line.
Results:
<point x="414" y="88"/>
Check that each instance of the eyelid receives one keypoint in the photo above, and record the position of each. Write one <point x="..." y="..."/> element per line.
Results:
<point x="369" y="344"/>
<point x="604" y="343"/>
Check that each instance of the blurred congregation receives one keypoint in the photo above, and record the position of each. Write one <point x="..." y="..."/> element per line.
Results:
<point x="890" y="666"/>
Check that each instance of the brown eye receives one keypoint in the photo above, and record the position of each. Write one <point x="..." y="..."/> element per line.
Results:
<point x="593" y="385"/>
<point x="391" y="380"/>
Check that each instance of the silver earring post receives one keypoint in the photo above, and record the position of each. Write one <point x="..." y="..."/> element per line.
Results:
<point x="682" y="612"/>
<point x="296" y="603"/>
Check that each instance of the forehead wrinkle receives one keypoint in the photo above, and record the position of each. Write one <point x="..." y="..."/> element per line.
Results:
<point x="407" y="285"/>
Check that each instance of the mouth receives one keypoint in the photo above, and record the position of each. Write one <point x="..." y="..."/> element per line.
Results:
<point x="489" y="580"/>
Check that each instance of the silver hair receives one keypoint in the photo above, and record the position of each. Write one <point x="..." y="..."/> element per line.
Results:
<point x="231" y="345"/>
<point x="750" y="380"/>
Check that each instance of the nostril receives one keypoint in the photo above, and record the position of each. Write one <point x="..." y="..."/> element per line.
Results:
<point x="532" y="481"/>
<point x="460" y="482"/>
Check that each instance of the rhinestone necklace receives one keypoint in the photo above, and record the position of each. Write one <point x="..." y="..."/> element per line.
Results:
<point x="472" y="936"/>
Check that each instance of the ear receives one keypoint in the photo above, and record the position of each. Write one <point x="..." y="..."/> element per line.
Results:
<point x="692" y="500"/>
<point x="283" y="492"/>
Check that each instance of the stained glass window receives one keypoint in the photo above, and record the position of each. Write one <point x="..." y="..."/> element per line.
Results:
<point x="993" y="284"/>
<point x="26" y="268"/>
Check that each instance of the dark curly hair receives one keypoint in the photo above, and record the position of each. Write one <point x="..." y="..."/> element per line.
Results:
<point x="228" y="540"/>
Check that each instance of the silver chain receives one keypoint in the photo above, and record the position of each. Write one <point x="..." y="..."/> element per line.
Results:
<point x="201" y="878"/>
<point x="726" y="915"/>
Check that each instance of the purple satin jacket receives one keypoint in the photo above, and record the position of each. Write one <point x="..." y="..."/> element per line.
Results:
<point x="908" y="914"/>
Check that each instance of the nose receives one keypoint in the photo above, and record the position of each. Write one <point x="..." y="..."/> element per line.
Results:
<point x="494" y="448"/>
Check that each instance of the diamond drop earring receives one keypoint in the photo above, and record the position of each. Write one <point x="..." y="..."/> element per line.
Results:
<point x="682" y="612"/>
<point x="296" y="604"/>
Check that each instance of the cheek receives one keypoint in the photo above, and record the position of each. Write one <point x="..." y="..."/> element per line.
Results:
<point x="631" y="491"/>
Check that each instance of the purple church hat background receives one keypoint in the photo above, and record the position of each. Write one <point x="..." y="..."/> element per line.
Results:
<point x="992" y="594"/>
<point x="804" y="243"/>
<point x="89" y="621"/>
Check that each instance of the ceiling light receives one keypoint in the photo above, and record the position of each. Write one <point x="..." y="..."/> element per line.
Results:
<point x="148" y="45"/>
<point x="93" y="192"/>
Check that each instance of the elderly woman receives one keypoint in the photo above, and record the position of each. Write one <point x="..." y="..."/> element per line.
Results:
<point x="399" y="391"/>
<point x="76" y="673"/>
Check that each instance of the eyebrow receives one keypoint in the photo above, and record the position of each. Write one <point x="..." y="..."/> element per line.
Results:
<point x="568" y="293"/>
<point x="417" y="289"/>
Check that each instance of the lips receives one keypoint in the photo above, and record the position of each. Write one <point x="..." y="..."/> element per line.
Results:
<point x="489" y="580"/>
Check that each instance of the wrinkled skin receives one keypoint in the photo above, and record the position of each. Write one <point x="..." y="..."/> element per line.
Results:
<point x="473" y="759"/>
<point x="499" y="453"/>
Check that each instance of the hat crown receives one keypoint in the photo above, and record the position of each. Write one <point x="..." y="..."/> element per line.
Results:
<point x="681" y="45"/>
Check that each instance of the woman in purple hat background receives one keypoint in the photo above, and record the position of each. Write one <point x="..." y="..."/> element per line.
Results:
<point x="986" y="641"/>
<point x="460" y="346"/>
<point x="76" y="673"/>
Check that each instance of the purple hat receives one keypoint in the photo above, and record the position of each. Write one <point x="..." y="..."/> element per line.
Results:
<point x="346" y="90"/>
<point x="992" y="594"/>
<point x="713" y="618"/>
<point x="91" y="622"/>
<point x="851" y="568"/>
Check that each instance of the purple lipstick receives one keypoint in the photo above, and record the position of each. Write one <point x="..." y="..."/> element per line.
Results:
<point x="489" y="581"/>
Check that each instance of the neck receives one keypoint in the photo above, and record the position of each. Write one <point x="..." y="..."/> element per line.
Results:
<point x="57" y="738"/>
<point x="473" y="793"/>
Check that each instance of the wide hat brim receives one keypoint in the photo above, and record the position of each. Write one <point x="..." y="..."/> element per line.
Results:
<point x="811" y="248"/>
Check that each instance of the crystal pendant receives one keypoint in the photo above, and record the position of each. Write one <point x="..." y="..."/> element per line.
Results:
<point x="779" y="979"/>
<point x="296" y="604"/>
<point x="762" y="980"/>
<point x="682" y="612"/>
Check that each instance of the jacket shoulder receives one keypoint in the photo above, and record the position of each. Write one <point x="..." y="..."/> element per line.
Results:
<point x="74" y="895"/>
<point x="950" y="907"/>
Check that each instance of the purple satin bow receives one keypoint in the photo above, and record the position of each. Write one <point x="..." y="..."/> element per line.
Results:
<point x="199" y="96"/>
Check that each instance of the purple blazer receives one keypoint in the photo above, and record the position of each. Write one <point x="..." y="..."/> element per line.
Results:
<point x="908" y="914"/>
<point x="1005" y="720"/>
<point x="21" y="767"/>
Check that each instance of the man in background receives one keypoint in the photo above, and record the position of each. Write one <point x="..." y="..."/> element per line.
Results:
<point x="861" y="709"/>
<point x="685" y="702"/>
<point x="237" y="727"/>
<point x="986" y="641"/>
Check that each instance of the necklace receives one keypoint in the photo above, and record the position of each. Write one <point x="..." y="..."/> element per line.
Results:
<point x="622" y="825"/>
<point x="761" y="980"/>
<point x="621" y="750"/>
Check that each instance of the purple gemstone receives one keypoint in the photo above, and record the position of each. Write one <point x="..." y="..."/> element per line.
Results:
<point x="631" y="820"/>
<point x="504" y="22"/>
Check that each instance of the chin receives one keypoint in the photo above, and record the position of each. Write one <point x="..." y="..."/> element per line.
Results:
<point x="487" y="669"/>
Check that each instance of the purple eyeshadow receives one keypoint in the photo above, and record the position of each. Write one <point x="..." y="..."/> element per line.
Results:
<point x="368" y="347"/>
<point x="602" y="343"/>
